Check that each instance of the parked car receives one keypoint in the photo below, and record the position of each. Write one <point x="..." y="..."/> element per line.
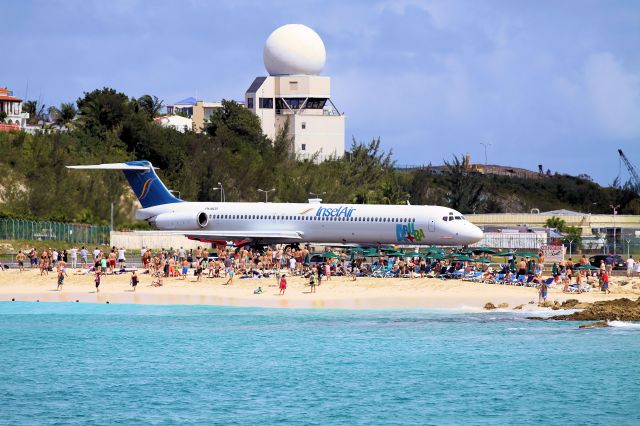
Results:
<point x="617" y="264"/>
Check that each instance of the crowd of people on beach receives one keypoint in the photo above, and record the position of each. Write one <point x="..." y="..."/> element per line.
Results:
<point x="279" y="262"/>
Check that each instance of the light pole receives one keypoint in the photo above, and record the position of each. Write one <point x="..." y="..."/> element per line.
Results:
<point x="615" y="212"/>
<point x="216" y="188"/>
<point x="485" y="151"/>
<point x="317" y="195"/>
<point x="266" y="193"/>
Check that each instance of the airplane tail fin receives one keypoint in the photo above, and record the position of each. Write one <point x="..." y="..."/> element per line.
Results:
<point x="143" y="180"/>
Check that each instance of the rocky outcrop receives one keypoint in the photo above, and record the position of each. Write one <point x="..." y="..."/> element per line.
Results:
<point x="595" y="324"/>
<point x="503" y="305"/>
<point x="489" y="306"/>
<point x="518" y="308"/>
<point x="610" y="310"/>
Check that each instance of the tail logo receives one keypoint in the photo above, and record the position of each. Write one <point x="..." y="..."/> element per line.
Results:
<point x="145" y="188"/>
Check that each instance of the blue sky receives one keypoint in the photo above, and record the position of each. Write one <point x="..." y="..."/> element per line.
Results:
<point x="544" y="82"/>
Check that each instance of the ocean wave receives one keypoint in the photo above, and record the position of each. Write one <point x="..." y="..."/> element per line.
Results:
<point x="624" y="324"/>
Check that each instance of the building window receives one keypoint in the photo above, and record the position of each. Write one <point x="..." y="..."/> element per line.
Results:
<point x="303" y="147"/>
<point x="266" y="103"/>
<point x="250" y="103"/>
<point x="304" y="125"/>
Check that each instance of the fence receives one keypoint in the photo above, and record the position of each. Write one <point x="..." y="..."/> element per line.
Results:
<point x="18" y="229"/>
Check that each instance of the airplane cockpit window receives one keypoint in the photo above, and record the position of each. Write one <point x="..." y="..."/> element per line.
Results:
<point x="458" y="218"/>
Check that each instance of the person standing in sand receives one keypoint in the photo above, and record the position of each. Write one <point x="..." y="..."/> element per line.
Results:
<point x="97" y="280"/>
<point x="134" y="280"/>
<point x="312" y="282"/>
<point x="283" y="284"/>
<point x="542" y="293"/>
<point x="232" y="272"/>
<point x="20" y="257"/>
<point x="61" y="274"/>
<point x="630" y="264"/>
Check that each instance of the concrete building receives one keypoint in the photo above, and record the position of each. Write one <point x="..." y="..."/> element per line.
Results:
<point x="12" y="107"/>
<point x="197" y="110"/>
<point x="294" y="93"/>
<point x="177" y="122"/>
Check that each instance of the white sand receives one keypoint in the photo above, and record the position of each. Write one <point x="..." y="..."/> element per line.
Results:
<point x="365" y="293"/>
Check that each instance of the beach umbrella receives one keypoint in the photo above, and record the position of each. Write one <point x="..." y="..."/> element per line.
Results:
<point x="527" y="254"/>
<point x="412" y="254"/>
<point x="371" y="253"/>
<point x="504" y="253"/>
<point x="436" y="256"/>
<point x="330" y="255"/>
<point x="467" y="252"/>
<point x="356" y="250"/>
<point x="482" y="260"/>
<point x="588" y="267"/>
<point x="464" y="259"/>
<point x="396" y="254"/>
<point x="483" y="250"/>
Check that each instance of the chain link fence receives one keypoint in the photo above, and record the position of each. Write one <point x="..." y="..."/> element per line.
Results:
<point x="19" y="229"/>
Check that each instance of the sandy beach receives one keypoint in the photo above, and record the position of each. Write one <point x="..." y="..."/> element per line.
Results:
<point x="339" y="292"/>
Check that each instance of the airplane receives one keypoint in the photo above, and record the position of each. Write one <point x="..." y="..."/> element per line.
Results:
<point x="275" y="223"/>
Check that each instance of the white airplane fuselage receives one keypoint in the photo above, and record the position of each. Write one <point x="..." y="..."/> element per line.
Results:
<point x="359" y="224"/>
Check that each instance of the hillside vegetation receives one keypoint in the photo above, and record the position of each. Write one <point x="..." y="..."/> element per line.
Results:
<point x="111" y="127"/>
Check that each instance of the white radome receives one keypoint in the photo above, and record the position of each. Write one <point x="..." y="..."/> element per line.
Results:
<point x="294" y="49"/>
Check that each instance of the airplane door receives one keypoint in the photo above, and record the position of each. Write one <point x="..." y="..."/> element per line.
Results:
<point x="432" y="225"/>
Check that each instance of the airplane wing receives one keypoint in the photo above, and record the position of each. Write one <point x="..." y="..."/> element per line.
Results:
<point x="242" y="235"/>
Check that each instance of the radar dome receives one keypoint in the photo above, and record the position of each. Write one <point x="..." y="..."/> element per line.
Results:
<point x="294" y="49"/>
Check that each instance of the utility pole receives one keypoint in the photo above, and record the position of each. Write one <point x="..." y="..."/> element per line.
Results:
<point x="485" y="151"/>
<point x="112" y="216"/>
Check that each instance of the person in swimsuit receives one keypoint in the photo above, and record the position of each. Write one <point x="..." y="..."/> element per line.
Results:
<point x="61" y="275"/>
<point x="20" y="257"/>
<point x="312" y="282"/>
<point x="134" y="280"/>
<point x="98" y="275"/>
<point x="232" y="272"/>
<point x="283" y="284"/>
<point x="605" y="283"/>
<point x="542" y="293"/>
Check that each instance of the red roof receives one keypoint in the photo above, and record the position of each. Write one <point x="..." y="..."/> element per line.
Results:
<point x="10" y="98"/>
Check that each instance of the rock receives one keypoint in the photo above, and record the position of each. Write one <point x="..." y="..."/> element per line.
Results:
<point x="609" y="310"/>
<point x="556" y="305"/>
<point x="595" y="324"/>
<point x="532" y="302"/>
<point x="546" y="304"/>
<point x="582" y="305"/>
<point x="489" y="306"/>
<point x="569" y="303"/>
<point x="518" y="308"/>
<point x="503" y="305"/>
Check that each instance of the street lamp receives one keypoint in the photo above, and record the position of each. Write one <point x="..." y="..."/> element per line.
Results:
<point x="266" y="193"/>
<point x="485" y="151"/>
<point x="615" y="212"/>
<point x="317" y="195"/>
<point x="222" y="196"/>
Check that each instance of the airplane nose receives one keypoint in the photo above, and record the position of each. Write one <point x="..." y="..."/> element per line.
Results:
<point x="476" y="233"/>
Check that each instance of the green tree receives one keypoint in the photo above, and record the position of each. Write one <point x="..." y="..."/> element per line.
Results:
<point x="464" y="191"/>
<point x="103" y="109"/>
<point x="35" y="111"/>
<point x="573" y="236"/>
<point x="241" y="123"/>
<point x="150" y="105"/>
<point x="555" y="222"/>
<point x="3" y="116"/>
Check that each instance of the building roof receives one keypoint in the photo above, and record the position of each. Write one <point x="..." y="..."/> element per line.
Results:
<point x="562" y="212"/>
<point x="187" y="101"/>
<point x="9" y="98"/>
<point x="256" y="84"/>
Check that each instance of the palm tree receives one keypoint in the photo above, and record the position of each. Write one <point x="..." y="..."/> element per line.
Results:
<point x="151" y="105"/>
<point x="36" y="112"/>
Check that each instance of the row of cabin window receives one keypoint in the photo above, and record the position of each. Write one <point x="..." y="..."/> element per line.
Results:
<point x="449" y="218"/>
<point x="328" y="218"/>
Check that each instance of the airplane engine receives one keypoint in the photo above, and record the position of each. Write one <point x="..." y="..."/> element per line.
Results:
<point x="181" y="221"/>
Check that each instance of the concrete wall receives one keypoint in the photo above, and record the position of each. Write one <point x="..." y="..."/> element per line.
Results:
<point x="586" y="221"/>
<point x="135" y="240"/>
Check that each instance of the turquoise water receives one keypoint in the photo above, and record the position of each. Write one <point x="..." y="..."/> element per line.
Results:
<point x="67" y="363"/>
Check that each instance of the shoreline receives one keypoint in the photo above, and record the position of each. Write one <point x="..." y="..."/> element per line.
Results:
<point x="338" y="293"/>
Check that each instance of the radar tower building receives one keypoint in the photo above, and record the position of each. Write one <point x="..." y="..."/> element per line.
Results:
<point x="294" y="92"/>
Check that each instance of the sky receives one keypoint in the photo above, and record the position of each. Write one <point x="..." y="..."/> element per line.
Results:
<point x="545" y="82"/>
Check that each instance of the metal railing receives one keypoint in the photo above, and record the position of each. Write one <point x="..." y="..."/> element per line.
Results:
<point x="19" y="229"/>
